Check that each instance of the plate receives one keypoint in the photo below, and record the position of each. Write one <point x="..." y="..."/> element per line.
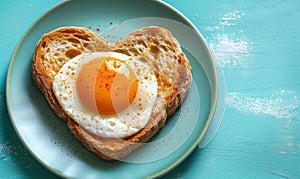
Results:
<point x="48" y="139"/>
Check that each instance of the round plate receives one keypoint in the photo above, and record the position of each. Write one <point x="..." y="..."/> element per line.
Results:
<point x="48" y="138"/>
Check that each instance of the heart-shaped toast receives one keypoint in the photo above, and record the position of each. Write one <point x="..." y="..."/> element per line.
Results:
<point x="155" y="45"/>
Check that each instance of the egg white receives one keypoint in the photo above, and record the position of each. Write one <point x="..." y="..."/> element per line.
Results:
<point x="120" y="125"/>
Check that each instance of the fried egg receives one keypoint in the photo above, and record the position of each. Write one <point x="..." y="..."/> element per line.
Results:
<point x="107" y="93"/>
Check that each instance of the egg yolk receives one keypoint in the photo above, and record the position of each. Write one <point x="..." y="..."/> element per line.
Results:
<point x="106" y="90"/>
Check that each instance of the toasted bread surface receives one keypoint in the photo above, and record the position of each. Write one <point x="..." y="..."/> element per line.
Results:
<point x="155" y="45"/>
<point x="54" y="50"/>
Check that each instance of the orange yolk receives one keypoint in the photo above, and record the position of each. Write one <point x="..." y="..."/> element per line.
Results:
<point x="105" y="90"/>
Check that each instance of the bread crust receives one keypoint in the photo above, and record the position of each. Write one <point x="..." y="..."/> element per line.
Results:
<point x="153" y="44"/>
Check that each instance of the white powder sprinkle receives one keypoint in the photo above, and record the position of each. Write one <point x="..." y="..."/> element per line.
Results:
<point x="6" y="149"/>
<point x="281" y="104"/>
<point x="231" y="18"/>
<point x="9" y="152"/>
<point x="229" y="51"/>
<point x="228" y="19"/>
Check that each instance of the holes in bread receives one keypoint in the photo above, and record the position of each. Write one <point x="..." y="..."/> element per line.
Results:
<point x="154" y="49"/>
<point x="119" y="51"/>
<point x="57" y="54"/>
<point x="141" y="42"/>
<point x="122" y="51"/>
<point x="44" y="44"/>
<point x="163" y="47"/>
<point x="86" y="44"/>
<point x="171" y="46"/>
<point x="134" y="51"/>
<point x="180" y="58"/>
<point x="68" y="31"/>
<point x="143" y="59"/>
<point x="74" y="40"/>
<point x="82" y="36"/>
<point x="72" y="53"/>
<point x="168" y="43"/>
<point x="61" y="60"/>
<point x="155" y="42"/>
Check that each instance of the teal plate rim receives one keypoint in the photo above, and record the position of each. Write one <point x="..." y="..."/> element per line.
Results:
<point x="166" y="169"/>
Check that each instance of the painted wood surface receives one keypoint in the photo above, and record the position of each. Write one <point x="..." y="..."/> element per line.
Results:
<point x="257" y="46"/>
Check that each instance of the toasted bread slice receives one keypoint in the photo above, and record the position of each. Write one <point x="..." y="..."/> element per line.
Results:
<point x="155" y="45"/>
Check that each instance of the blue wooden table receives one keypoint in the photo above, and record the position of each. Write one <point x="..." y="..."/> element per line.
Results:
<point x="257" y="46"/>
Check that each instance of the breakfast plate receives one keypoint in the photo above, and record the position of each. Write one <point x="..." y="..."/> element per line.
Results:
<point x="48" y="138"/>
